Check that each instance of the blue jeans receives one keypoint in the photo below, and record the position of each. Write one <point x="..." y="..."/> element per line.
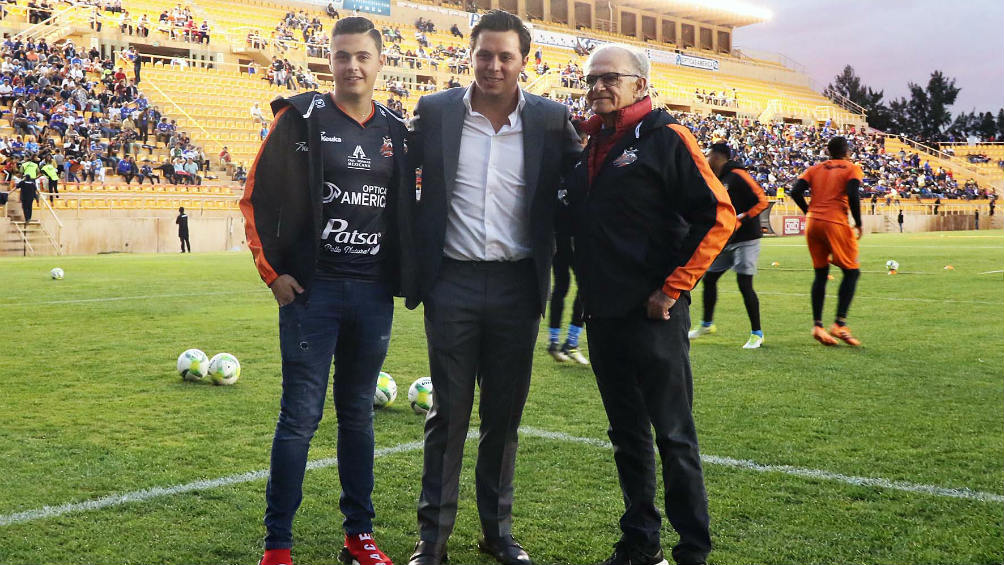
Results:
<point x="350" y="321"/>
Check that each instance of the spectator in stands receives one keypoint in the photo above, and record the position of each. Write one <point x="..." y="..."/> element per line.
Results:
<point x="225" y="157"/>
<point x="455" y="31"/>
<point x="192" y="169"/>
<point x="164" y="132"/>
<point x="167" y="170"/>
<point x="240" y="173"/>
<point x="127" y="168"/>
<point x="331" y="11"/>
<point x="146" y="172"/>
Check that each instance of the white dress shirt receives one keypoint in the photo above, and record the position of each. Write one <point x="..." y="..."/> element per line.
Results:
<point x="489" y="209"/>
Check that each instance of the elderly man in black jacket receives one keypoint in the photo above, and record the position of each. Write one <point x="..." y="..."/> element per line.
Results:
<point x="649" y="216"/>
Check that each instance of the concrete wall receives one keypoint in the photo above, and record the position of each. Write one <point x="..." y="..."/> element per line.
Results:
<point x="884" y="223"/>
<point x="144" y="231"/>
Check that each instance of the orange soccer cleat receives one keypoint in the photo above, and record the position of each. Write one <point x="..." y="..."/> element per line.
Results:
<point x="844" y="333"/>
<point x="822" y="337"/>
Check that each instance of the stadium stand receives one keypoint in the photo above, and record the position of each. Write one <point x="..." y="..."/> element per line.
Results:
<point x="176" y="97"/>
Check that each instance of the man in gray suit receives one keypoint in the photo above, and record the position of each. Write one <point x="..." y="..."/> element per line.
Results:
<point x="491" y="158"/>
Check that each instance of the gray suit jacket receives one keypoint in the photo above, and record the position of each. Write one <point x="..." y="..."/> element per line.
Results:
<point x="550" y="148"/>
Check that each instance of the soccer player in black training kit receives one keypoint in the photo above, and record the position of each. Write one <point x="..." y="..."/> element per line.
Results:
<point x="743" y="249"/>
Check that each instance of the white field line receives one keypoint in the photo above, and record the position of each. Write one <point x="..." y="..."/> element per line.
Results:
<point x="798" y="471"/>
<point x="991" y="272"/>
<point x="744" y="464"/>
<point x="121" y="298"/>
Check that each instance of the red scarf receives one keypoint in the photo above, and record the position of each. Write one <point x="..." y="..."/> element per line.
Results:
<point x="603" y="139"/>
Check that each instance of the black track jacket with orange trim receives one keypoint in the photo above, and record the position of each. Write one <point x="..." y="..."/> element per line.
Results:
<point x="747" y="197"/>
<point x="655" y="216"/>
<point x="282" y="202"/>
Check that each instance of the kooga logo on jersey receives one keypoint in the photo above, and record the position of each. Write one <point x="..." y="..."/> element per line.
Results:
<point x="338" y="226"/>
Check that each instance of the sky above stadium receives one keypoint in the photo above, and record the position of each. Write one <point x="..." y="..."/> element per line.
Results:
<point x="891" y="42"/>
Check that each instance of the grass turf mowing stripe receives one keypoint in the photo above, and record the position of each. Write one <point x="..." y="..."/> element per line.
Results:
<point x="744" y="464"/>
<point x="889" y="298"/>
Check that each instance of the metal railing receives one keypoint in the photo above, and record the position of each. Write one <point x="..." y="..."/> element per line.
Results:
<point x="935" y="152"/>
<point x="33" y="31"/>
<point x="54" y="239"/>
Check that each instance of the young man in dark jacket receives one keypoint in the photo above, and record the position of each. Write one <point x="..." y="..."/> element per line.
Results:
<point x="326" y="209"/>
<point x="743" y="249"/>
<point x="649" y="216"/>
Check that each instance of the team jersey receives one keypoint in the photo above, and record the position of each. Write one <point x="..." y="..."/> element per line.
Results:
<point x="828" y="188"/>
<point x="358" y="167"/>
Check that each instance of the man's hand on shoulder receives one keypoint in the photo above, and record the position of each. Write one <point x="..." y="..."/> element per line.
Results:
<point x="285" y="288"/>
<point x="658" y="305"/>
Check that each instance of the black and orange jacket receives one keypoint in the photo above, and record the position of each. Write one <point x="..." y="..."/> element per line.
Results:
<point x="747" y="197"/>
<point x="282" y="196"/>
<point x="654" y="216"/>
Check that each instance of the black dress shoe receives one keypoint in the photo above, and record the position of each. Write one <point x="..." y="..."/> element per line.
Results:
<point x="429" y="553"/>
<point x="505" y="550"/>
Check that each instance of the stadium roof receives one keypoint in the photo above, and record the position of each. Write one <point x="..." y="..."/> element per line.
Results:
<point x="730" y="13"/>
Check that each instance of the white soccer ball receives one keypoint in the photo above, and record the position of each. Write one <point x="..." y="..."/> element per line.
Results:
<point x="420" y="395"/>
<point x="224" y="369"/>
<point x="56" y="273"/>
<point x="193" y="365"/>
<point x="892" y="265"/>
<point x="386" y="390"/>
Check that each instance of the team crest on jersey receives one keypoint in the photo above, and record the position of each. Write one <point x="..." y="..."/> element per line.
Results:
<point x="387" y="149"/>
<point x="627" y="157"/>
<point x="358" y="159"/>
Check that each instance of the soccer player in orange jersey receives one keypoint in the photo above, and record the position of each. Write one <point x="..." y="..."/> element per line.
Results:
<point x="834" y="187"/>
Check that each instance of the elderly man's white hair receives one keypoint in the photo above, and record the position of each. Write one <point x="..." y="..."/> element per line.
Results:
<point x="637" y="59"/>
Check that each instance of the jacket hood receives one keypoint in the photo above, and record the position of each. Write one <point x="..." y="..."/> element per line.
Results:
<point x="303" y="103"/>
<point x="730" y="166"/>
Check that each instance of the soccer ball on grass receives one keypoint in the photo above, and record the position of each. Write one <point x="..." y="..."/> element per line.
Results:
<point x="386" y="390"/>
<point x="224" y="369"/>
<point x="56" y="274"/>
<point x="420" y="395"/>
<point x="193" y="365"/>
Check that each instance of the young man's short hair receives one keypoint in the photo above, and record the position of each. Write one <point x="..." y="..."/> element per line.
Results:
<point x="357" y="24"/>
<point x="722" y="149"/>
<point x="837" y="147"/>
<point x="500" y="20"/>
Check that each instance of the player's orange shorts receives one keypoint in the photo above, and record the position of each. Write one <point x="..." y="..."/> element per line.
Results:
<point x="830" y="242"/>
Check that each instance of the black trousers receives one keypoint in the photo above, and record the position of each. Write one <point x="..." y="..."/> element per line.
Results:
<point x="26" y="208"/>
<point x="562" y="268"/>
<point x="481" y="322"/>
<point x="185" y="244"/>
<point x="642" y="369"/>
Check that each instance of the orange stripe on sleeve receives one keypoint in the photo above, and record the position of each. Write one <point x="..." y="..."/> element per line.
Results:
<point x="265" y="269"/>
<point x="761" y="196"/>
<point x="686" y="276"/>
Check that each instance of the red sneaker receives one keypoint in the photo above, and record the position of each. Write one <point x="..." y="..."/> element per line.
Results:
<point x="360" y="549"/>
<point x="276" y="557"/>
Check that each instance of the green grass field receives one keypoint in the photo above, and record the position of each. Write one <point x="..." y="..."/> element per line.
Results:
<point x="92" y="408"/>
